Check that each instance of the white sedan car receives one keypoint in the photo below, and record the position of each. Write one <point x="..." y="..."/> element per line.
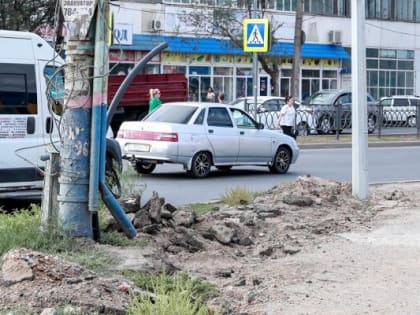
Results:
<point x="268" y="111"/>
<point x="202" y="135"/>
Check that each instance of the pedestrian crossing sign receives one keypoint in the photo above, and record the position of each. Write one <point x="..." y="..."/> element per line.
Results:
<point x="256" y="35"/>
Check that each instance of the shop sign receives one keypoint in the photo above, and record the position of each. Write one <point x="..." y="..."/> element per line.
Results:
<point x="199" y="58"/>
<point x="223" y="59"/>
<point x="173" y="57"/>
<point x="333" y="63"/>
<point x="243" y="59"/>
<point x="123" y="34"/>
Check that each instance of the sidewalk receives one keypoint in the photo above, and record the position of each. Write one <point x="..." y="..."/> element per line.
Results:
<point x="374" y="272"/>
<point x="345" y="141"/>
<point x="349" y="144"/>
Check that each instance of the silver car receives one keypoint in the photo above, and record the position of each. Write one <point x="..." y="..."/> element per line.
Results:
<point x="202" y="135"/>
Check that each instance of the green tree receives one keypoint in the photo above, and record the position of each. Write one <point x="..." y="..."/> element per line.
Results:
<point x="26" y="15"/>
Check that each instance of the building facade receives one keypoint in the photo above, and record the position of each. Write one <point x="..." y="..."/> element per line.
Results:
<point x="392" y="41"/>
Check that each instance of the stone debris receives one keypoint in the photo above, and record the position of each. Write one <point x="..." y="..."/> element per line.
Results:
<point x="228" y="246"/>
<point x="40" y="283"/>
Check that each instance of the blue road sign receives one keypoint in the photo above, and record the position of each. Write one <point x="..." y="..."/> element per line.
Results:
<point x="256" y="34"/>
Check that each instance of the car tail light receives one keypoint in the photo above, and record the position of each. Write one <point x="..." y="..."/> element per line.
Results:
<point x="148" y="135"/>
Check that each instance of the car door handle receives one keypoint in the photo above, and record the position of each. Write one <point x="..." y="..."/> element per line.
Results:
<point x="211" y="130"/>
<point x="242" y="132"/>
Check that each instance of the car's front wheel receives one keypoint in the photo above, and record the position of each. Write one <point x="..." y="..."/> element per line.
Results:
<point x="302" y="129"/>
<point x="411" y="121"/>
<point x="281" y="161"/>
<point x="371" y="123"/>
<point x="201" y="164"/>
<point x="144" y="168"/>
<point x="325" y="125"/>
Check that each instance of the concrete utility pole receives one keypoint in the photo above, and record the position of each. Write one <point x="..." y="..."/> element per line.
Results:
<point x="359" y="106"/>
<point x="296" y="50"/>
<point x="73" y="213"/>
<point x="82" y="156"/>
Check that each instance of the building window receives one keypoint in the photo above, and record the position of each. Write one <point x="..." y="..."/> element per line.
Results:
<point x="328" y="7"/>
<point x="390" y="72"/>
<point x="407" y="10"/>
<point x="286" y="5"/>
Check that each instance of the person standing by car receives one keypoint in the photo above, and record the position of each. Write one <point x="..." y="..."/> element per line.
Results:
<point x="221" y="98"/>
<point x="211" y="96"/>
<point x="154" y="99"/>
<point x="287" y="117"/>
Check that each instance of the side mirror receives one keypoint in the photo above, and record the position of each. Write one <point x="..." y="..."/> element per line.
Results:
<point x="260" y="126"/>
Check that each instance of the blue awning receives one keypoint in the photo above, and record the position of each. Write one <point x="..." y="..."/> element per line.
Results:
<point x="208" y="45"/>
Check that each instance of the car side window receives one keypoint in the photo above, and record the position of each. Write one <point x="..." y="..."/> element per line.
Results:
<point x="18" y="93"/>
<point x="401" y="102"/>
<point x="200" y="118"/>
<point x="242" y="120"/>
<point x="219" y="116"/>
<point x="271" y="106"/>
<point x="386" y="102"/>
<point x="343" y="99"/>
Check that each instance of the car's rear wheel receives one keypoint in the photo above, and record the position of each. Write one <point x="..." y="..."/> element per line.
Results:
<point x="201" y="164"/>
<point x="411" y="121"/>
<point x="144" y="168"/>
<point x="281" y="161"/>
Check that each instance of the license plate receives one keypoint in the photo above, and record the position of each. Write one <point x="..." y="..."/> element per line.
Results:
<point x="138" y="147"/>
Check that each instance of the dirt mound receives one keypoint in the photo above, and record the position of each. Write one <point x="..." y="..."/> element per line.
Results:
<point x="33" y="281"/>
<point x="235" y="247"/>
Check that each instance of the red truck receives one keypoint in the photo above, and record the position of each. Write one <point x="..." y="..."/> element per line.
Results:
<point x="134" y="104"/>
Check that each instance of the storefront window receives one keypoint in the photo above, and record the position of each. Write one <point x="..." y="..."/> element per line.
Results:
<point x="389" y="71"/>
<point x="223" y="82"/>
<point x="174" y="69"/>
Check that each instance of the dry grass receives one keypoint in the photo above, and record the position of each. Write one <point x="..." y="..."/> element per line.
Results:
<point x="347" y="138"/>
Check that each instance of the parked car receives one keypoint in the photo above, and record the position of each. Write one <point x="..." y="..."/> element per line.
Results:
<point x="399" y="110"/>
<point x="202" y="135"/>
<point x="268" y="110"/>
<point x="326" y="106"/>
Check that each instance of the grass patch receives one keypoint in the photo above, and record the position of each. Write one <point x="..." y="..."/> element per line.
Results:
<point x="128" y="183"/>
<point x="202" y="208"/>
<point x="115" y="238"/>
<point x="174" y="294"/>
<point x="238" y="195"/>
<point x="22" y="228"/>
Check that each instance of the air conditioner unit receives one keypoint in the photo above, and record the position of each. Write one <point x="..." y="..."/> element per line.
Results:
<point x="334" y="37"/>
<point x="156" y="25"/>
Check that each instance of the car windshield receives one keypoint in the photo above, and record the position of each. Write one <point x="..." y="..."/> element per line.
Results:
<point x="323" y="98"/>
<point x="178" y="114"/>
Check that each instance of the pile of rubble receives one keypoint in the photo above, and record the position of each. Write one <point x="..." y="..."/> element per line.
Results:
<point x="233" y="247"/>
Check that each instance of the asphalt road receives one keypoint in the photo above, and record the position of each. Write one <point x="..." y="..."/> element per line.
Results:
<point x="385" y="164"/>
